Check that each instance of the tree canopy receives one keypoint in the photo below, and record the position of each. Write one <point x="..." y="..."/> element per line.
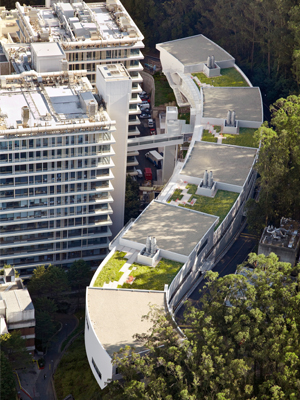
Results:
<point x="242" y="343"/>
<point x="278" y="165"/>
<point x="14" y="348"/>
<point x="51" y="282"/>
<point x="7" y="381"/>
<point x="132" y="201"/>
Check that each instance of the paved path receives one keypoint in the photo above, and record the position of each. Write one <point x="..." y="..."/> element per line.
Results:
<point x="38" y="382"/>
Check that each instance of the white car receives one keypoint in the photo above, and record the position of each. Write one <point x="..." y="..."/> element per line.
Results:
<point x="140" y="174"/>
<point x="150" y="123"/>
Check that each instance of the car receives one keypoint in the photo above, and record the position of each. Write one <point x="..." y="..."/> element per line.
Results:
<point x="152" y="131"/>
<point x="140" y="174"/>
<point x="144" y="115"/>
<point x="144" y="106"/>
<point x="142" y="93"/>
<point x="150" y="123"/>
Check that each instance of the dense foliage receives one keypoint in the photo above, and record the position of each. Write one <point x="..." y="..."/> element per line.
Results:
<point x="7" y="381"/>
<point x="263" y="36"/>
<point x="248" y="350"/>
<point x="14" y="347"/>
<point x="278" y="166"/>
<point x="132" y="201"/>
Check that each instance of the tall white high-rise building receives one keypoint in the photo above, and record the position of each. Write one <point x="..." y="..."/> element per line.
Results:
<point x="79" y="36"/>
<point x="55" y="166"/>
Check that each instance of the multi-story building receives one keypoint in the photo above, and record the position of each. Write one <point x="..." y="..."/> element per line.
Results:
<point x="16" y="308"/>
<point x="55" y="166"/>
<point x="177" y="238"/>
<point x="88" y="35"/>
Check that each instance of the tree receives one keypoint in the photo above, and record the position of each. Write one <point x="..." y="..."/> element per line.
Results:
<point x="132" y="201"/>
<point x="79" y="275"/>
<point x="14" y="347"/>
<point x="51" y="282"/>
<point x="279" y="163"/>
<point x="7" y="381"/>
<point x="45" y="327"/>
<point x="248" y="350"/>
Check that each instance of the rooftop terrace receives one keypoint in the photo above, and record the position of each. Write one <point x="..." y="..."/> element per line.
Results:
<point x="176" y="230"/>
<point x="49" y="100"/>
<point x="229" y="164"/>
<point x="246" y="102"/>
<point x="195" y="50"/>
<point x="116" y="315"/>
<point x="79" y="22"/>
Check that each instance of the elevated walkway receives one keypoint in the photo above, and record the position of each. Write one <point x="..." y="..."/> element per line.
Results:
<point x="149" y="142"/>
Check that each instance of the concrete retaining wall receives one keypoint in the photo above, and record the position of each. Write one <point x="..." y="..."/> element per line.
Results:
<point x="149" y="85"/>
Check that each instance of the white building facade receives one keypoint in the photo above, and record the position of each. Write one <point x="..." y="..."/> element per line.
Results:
<point x="55" y="166"/>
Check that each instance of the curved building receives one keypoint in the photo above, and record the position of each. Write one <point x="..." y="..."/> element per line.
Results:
<point x="159" y="256"/>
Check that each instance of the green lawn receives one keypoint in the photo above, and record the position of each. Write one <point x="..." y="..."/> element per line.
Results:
<point x="74" y="376"/>
<point x="150" y="278"/>
<point x="163" y="92"/>
<point x="176" y="195"/>
<point x="208" y="137"/>
<point x="229" y="77"/>
<point x="244" y="138"/>
<point x="110" y="271"/>
<point x="185" y="116"/>
<point x="219" y="205"/>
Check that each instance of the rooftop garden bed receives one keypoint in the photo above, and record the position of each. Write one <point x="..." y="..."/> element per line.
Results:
<point x="153" y="278"/>
<point x="219" y="205"/>
<point x="244" y="138"/>
<point x="176" y="195"/>
<point x="229" y="77"/>
<point x="163" y="92"/>
<point x="185" y="116"/>
<point x="111" y="270"/>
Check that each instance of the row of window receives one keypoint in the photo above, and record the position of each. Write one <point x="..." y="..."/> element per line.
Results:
<point x="52" y="154"/>
<point x="50" y="258"/>
<point x="37" y="248"/>
<point x="53" y="201"/>
<point x="63" y="140"/>
<point x="51" y="190"/>
<point x="51" y="178"/>
<point x="63" y="223"/>
<point x="66" y="234"/>
<point x="54" y="212"/>
<point x="102" y="55"/>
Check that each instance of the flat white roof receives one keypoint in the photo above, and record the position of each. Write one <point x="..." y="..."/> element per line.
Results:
<point x="246" y="102"/>
<point x="176" y="229"/>
<point x="113" y="71"/>
<point x="117" y="314"/>
<point x="47" y="49"/>
<point x="17" y="300"/>
<point x="229" y="164"/>
<point x="194" y="50"/>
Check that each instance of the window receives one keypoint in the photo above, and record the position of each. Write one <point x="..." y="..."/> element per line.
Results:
<point x="202" y="247"/>
<point x="96" y="369"/>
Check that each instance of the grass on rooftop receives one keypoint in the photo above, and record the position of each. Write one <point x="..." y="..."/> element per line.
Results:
<point x="153" y="278"/>
<point x="176" y="195"/>
<point x="111" y="270"/>
<point x="185" y="116"/>
<point x="163" y="92"/>
<point x="229" y="77"/>
<point x="244" y="138"/>
<point x="219" y="205"/>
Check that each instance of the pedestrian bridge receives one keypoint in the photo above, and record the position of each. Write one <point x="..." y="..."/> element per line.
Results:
<point x="149" y="142"/>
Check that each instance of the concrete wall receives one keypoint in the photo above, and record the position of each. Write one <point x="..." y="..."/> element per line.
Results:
<point x="95" y="350"/>
<point x="190" y="270"/>
<point x="149" y="85"/>
<point x="117" y="93"/>
<point x="169" y="62"/>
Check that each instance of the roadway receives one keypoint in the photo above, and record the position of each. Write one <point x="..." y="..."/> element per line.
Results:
<point x="236" y="255"/>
